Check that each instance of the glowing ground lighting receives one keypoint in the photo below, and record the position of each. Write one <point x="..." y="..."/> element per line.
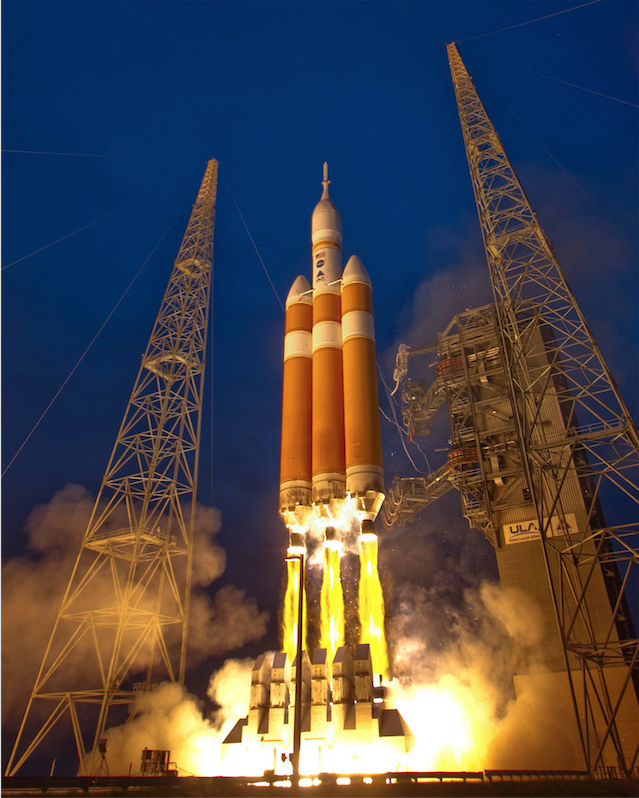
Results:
<point x="371" y="604"/>
<point x="332" y="601"/>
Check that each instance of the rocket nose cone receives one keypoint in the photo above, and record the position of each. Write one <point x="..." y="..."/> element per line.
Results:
<point x="355" y="272"/>
<point x="326" y="216"/>
<point x="300" y="292"/>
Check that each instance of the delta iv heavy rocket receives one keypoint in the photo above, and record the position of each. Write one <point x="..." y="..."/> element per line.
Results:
<point x="331" y="442"/>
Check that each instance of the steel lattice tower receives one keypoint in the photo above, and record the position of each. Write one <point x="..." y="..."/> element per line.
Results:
<point x="542" y="440"/>
<point x="125" y="612"/>
<point x="551" y="356"/>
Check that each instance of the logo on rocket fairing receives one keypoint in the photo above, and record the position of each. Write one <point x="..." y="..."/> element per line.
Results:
<point x="320" y="276"/>
<point x="320" y="254"/>
<point x="319" y="264"/>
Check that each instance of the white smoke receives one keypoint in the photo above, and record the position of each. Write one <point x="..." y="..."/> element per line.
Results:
<point x="171" y="719"/>
<point x="32" y="589"/>
<point x="457" y="697"/>
<point x="223" y="624"/>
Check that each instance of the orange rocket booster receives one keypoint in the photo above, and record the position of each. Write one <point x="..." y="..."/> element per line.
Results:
<point x="363" y="444"/>
<point x="295" y="455"/>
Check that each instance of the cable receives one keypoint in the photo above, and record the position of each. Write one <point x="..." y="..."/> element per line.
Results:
<point x="399" y="426"/>
<point x="392" y="421"/>
<point x="416" y="20"/>
<point x="568" y="175"/>
<point x="68" y="235"/>
<point x="565" y="82"/>
<point x="401" y="436"/>
<point x="403" y="431"/>
<point x="77" y="154"/>
<point x="95" y="337"/>
<point x="255" y="247"/>
<point x="530" y="21"/>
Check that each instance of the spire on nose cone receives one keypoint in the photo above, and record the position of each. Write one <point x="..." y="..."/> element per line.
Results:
<point x="325" y="182"/>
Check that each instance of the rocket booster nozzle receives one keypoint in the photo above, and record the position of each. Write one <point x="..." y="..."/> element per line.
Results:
<point x="368" y="527"/>
<point x="296" y="542"/>
<point x="332" y="539"/>
<point x="368" y="531"/>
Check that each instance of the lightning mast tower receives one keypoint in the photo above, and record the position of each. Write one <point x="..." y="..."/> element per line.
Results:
<point x="542" y="439"/>
<point x="123" y="622"/>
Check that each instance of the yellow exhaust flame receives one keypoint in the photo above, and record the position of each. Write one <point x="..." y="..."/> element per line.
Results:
<point x="332" y="603"/>
<point x="371" y="604"/>
<point x="291" y="604"/>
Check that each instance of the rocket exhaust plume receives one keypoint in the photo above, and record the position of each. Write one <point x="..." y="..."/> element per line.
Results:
<point x="291" y="599"/>
<point x="371" y="601"/>
<point x="332" y="597"/>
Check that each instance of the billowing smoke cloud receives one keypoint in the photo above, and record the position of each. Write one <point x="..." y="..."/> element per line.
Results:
<point x="458" y="698"/>
<point x="32" y="589"/>
<point x="223" y="624"/>
<point x="33" y="586"/>
<point x="457" y="280"/>
<point x="209" y="559"/>
<point x="171" y="719"/>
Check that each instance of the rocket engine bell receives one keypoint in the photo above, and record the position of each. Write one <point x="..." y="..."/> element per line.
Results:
<point x="331" y="442"/>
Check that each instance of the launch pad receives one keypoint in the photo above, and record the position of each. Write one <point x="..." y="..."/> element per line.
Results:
<point x="345" y="724"/>
<point x="394" y="785"/>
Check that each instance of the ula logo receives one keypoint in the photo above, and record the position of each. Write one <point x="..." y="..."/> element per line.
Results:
<point x="523" y="531"/>
<point x="519" y="529"/>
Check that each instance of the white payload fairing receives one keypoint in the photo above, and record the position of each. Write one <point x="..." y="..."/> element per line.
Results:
<point x="331" y="442"/>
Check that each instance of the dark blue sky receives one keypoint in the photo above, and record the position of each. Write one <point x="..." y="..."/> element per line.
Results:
<point x="272" y="89"/>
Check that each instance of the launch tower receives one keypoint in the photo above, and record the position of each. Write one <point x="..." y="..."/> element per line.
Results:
<point x="122" y="626"/>
<point x="541" y="439"/>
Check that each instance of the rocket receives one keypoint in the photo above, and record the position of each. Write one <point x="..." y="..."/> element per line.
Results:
<point x="331" y="442"/>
